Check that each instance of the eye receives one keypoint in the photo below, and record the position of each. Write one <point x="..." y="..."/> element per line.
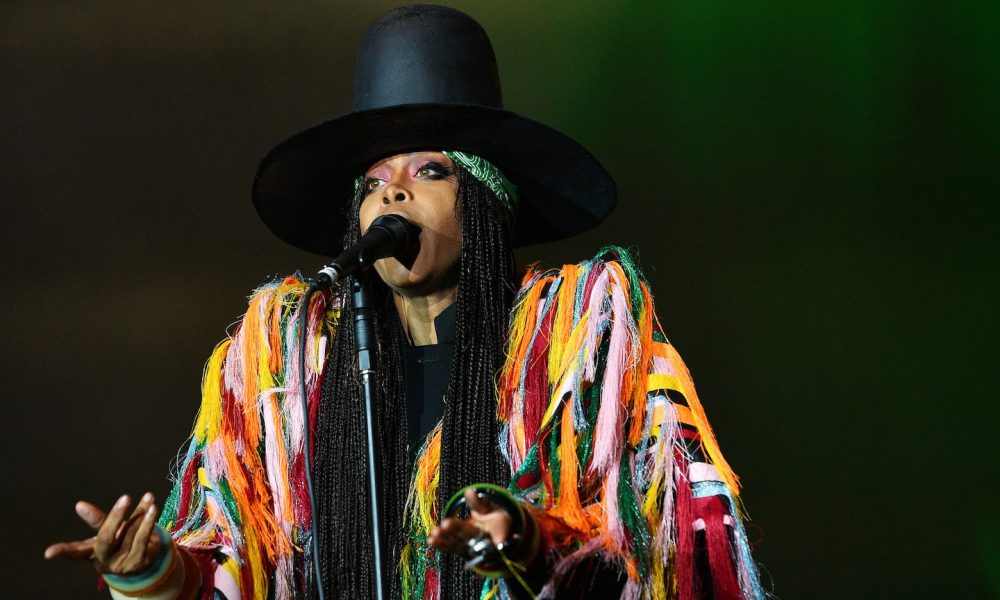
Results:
<point x="372" y="184"/>
<point x="433" y="170"/>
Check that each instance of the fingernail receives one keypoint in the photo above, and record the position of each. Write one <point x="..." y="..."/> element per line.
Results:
<point x="147" y="497"/>
<point x="122" y="501"/>
<point x="150" y="512"/>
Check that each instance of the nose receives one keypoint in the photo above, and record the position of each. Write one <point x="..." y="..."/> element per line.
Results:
<point x="395" y="193"/>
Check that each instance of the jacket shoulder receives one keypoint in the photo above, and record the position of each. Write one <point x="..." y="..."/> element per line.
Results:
<point x="618" y="260"/>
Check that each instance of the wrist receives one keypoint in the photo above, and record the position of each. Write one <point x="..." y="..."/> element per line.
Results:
<point x="529" y="543"/>
<point x="151" y="578"/>
<point x="526" y="564"/>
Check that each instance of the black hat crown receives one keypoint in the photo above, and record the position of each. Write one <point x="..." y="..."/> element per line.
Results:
<point x="425" y="54"/>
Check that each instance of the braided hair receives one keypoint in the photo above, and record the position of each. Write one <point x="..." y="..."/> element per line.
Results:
<point x="469" y="447"/>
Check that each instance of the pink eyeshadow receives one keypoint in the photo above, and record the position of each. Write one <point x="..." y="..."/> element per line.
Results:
<point x="383" y="172"/>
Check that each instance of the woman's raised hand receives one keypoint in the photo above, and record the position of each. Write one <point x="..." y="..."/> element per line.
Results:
<point x="453" y="534"/>
<point x="122" y="546"/>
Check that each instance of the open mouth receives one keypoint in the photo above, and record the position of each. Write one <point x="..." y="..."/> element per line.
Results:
<point x="408" y="255"/>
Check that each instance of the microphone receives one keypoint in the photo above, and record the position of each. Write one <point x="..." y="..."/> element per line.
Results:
<point x="387" y="236"/>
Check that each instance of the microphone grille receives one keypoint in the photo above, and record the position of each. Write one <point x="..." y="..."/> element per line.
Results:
<point x="398" y="227"/>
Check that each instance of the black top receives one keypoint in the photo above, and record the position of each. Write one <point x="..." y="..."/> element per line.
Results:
<point x="426" y="372"/>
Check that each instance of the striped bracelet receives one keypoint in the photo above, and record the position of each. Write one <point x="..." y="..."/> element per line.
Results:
<point x="153" y="576"/>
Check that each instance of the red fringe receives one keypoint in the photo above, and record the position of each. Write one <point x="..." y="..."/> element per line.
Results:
<point x="301" y="504"/>
<point x="687" y="576"/>
<point x="431" y="585"/>
<point x="314" y="410"/>
<point x="592" y="277"/>
<point x="719" y="548"/>
<point x="536" y="383"/>
<point x="303" y="512"/>
<point x="189" y="480"/>
<point x="246" y="582"/>
<point x="232" y="414"/>
<point x="527" y="480"/>
<point x="207" y="565"/>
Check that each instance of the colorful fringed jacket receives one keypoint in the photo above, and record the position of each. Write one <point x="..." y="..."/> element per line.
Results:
<point x="607" y="442"/>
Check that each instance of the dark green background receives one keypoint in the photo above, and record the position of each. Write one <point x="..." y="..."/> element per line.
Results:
<point x="811" y="189"/>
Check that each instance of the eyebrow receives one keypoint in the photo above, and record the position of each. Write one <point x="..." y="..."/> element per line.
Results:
<point x="428" y="156"/>
<point x="438" y="157"/>
<point x="372" y="171"/>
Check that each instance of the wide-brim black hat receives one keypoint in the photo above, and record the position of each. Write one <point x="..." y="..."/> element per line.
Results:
<point x="426" y="79"/>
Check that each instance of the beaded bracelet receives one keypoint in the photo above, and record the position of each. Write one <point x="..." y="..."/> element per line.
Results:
<point x="153" y="576"/>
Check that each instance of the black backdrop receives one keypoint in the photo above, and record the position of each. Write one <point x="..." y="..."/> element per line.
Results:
<point x="811" y="191"/>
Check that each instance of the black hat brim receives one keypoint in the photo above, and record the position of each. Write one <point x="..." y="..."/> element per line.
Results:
<point x="303" y="186"/>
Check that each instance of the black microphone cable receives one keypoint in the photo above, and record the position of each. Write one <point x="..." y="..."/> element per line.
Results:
<point x="307" y="462"/>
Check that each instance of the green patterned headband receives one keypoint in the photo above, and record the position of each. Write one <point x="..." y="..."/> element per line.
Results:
<point x="483" y="170"/>
<point x="487" y="174"/>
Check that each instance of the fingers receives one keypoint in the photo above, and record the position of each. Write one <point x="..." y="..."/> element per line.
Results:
<point x="130" y="554"/>
<point x="127" y="532"/>
<point x="121" y="545"/>
<point x="79" y="549"/>
<point x="477" y="504"/>
<point x="105" y="542"/>
<point x="153" y="547"/>
<point x="453" y="535"/>
<point x="90" y="514"/>
<point x="138" y="554"/>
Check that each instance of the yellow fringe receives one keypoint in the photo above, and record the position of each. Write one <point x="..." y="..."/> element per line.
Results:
<point x="206" y="427"/>
<point x="569" y="366"/>
<point x="562" y="323"/>
<point x="256" y="564"/>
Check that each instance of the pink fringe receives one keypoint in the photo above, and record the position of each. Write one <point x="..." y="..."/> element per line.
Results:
<point x="275" y="474"/>
<point x="291" y="407"/>
<point x="565" y="564"/>
<point x="632" y="591"/>
<point x="597" y="316"/>
<point x="665" y="466"/>
<point x="607" y="437"/>
<point x="284" y="577"/>
<point x="232" y="368"/>
<point x="614" y="532"/>
<point x="215" y="460"/>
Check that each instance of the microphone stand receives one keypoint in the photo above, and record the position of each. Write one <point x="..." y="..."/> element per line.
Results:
<point x="387" y="234"/>
<point x="365" y="341"/>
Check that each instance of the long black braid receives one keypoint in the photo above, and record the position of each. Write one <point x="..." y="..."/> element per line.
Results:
<point x="469" y="446"/>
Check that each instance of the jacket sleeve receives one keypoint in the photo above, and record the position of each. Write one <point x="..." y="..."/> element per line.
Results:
<point x="232" y="505"/>
<point x="609" y="445"/>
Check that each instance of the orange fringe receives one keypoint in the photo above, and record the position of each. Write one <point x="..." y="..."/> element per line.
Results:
<point x="641" y="372"/>
<point x="568" y="506"/>
<point x="701" y="421"/>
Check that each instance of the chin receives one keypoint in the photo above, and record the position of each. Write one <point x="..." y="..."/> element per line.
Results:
<point x="398" y="276"/>
<point x="415" y="280"/>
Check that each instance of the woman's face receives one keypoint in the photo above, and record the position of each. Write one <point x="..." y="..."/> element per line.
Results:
<point x="422" y="187"/>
